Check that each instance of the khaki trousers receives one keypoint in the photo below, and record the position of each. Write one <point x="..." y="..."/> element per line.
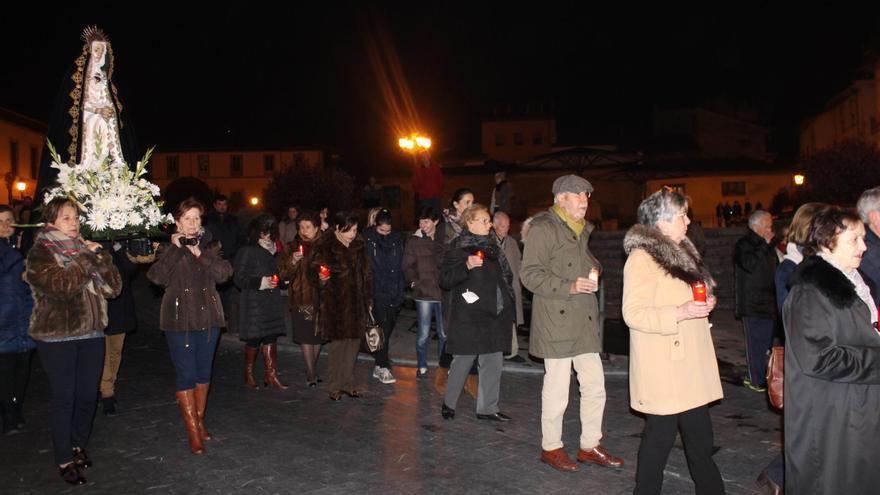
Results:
<point x="340" y="363"/>
<point x="112" y="358"/>
<point x="554" y="399"/>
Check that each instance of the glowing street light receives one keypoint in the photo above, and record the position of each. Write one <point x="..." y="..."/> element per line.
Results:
<point x="799" y="179"/>
<point x="21" y="186"/>
<point x="255" y="201"/>
<point x="414" y="142"/>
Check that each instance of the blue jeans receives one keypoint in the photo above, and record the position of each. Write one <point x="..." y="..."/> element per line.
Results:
<point x="192" y="354"/>
<point x="425" y="309"/>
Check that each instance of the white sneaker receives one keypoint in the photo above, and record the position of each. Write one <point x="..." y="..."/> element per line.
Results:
<point x="383" y="375"/>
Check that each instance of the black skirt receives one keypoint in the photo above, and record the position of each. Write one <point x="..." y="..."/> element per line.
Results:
<point x="304" y="330"/>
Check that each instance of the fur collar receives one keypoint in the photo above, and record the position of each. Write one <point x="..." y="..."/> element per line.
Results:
<point x="829" y="280"/>
<point x="680" y="261"/>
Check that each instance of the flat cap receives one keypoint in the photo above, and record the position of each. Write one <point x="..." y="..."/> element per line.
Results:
<point x="573" y="184"/>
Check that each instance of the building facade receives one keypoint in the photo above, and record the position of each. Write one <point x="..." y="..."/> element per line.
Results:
<point x="21" y="146"/>
<point x="238" y="174"/>
<point x="851" y="114"/>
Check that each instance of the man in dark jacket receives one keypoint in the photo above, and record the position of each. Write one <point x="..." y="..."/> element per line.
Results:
<point x="224" y="228"/>
<point x="755" y="263"/>
<point x="869" y="211"/>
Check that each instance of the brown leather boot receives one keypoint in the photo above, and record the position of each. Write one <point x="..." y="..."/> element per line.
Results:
<point x="201" y="401"/>
<point x="270" y="376"/>
<point x="250" y="356"/>
<point x="187" y="401"/>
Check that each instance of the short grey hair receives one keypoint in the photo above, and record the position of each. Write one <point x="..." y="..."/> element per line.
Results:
<point x="498" y="214"/>
<point x="662" y="205"/>
<point x="756" y="217"/>
<point x="868" y="202"/>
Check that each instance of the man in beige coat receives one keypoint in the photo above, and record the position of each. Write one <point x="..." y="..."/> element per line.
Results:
<point x="557" y="268"/>
<point x="501" y="227"/>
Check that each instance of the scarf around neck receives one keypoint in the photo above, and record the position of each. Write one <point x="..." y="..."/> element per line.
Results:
<point x="793" y="253"/>
<point x="576" y="225"/>
<point x="862" y="289"/>
<point x="492" y="250"/>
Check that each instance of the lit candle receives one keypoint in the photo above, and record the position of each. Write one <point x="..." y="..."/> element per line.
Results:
<point x="594" y="274"/>
<point x="275" y="279"/>
<point x="480" y="254"/>
<point x="325" y="271"/>
<point x="699" y="289"/>
<point x="301" y="252"/>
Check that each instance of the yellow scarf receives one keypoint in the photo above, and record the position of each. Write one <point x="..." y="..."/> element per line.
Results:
<point x="576" y="225"/>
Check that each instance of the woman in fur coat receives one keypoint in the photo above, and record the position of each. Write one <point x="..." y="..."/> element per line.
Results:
<point x="672" y="367"/>
<point x="340" y="264"/>
<point x="261" y="308"/>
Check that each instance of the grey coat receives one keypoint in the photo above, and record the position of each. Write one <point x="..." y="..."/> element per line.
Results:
<point x="563" y="325"/>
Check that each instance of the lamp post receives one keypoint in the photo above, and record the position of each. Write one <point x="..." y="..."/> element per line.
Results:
<point x="414" y="143"/>
<point x="799" y="179"/>
<point x="254" y="201"/>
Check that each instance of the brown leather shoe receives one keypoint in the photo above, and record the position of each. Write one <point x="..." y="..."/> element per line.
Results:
<point x="187" y="402"/>
<point x="270" y="375"/>
<point x="201" y="394"/>
<point x="598" y="455"/>
<point x="558" y="459"/>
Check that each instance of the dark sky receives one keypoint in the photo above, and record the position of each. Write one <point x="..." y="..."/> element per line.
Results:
<point x="231" y="74"/>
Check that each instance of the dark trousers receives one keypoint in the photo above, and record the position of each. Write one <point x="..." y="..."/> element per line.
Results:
<point x="759" y="338"/>
<point x="657" y="440"/>
<point x="340" y="363"/>
<point x="15" y="370"/>
<point x="74" y="372"/>
<point x="192" y="354"/>
<point x="386" y="317"/>
<point x="256" y="343"/>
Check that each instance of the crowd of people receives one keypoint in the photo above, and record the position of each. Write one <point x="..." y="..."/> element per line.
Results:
<point x="323" y="279"/>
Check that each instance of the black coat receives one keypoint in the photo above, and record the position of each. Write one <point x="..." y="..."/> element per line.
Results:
<point x="386" y="260"/>
<point x="261" y="312"/>
<point x="16" y="302"/>
<point x="755" y="263"/>
<point x="832" y="385"/>
<point x="226" y="230"/>
<point x="476" y="328"/>
<point x="121" y="316"/>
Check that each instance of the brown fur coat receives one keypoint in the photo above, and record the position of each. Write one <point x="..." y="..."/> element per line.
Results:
<point x="345" y="297"/>
<point x="61" y="299"/>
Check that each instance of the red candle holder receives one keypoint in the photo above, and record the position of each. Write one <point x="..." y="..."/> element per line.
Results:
<point x="480" y="254"/>
<point x="275" y="279"/>
<point x="301" y="250"/>
<point x="324" y="270"/>
<point x="699" y="289"/>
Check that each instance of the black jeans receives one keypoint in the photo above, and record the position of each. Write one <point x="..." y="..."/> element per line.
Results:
<point x="74" y="371"/>
<point x="658" y="437"/>
<point x="15" y="370"/>
<point x="258" y="342"/>
<point x="386" y="316"/>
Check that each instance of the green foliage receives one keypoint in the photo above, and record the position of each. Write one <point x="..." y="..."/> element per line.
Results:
<point x="839" y="174"/>
<point x="310" y="187"/>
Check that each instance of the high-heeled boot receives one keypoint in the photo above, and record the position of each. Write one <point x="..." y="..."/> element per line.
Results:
<point x="270" y="358"/>
<point x="250" y="356"/>
<point x="201" y="394"/>
<point x="187" y="401"/>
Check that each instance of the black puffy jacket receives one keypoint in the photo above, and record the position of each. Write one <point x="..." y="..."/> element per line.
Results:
<point x="386" y="259"/>
<point x="755" y="264"/>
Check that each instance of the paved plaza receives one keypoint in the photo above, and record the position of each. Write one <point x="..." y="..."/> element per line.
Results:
<point x="392" y="440"/>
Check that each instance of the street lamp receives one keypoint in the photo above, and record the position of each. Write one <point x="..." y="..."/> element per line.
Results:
<point x="799" y="179"/>
<point x="255" y="201"/>
<point x="21" y="186"/>
<point x="414" y="143"/>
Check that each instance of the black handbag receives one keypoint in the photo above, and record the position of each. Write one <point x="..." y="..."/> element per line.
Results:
<point x="374" y="337"/>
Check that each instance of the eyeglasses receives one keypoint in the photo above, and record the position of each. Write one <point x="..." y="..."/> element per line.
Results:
<point x="484" y="221"/>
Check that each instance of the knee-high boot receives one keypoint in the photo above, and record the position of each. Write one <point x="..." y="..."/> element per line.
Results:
<point x="187" y="402"/>
<point x="250" y="356"/>
<point x="201" y="401"/>
<point x="270" y="358"/>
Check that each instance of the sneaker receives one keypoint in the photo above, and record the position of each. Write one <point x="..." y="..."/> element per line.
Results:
<point x="754" y="388"/>
<point x="422" y="373"/>
<point x="383" y="375"/>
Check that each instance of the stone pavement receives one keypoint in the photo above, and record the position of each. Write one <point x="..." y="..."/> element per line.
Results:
<point x="393" y="440"/>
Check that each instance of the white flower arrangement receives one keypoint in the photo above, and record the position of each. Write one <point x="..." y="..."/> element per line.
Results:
<point x="113" y="201"/>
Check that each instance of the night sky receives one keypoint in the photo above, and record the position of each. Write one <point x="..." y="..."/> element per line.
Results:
<point x="234" y="74"/>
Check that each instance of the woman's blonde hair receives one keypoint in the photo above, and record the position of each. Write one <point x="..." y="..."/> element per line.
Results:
<point x="799" y="229"/>
<point x="471" y="212"/>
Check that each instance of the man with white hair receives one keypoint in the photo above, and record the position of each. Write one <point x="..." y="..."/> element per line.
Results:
<point x="563" y="275"/>
<point x="869" y="211"/>
<point x="755" y="261"/>
<point x="501" y="227"/>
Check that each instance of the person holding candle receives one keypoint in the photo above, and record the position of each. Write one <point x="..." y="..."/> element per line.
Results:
<point x="565" y="316"/>
<point x="672" y="367"/>
<point x="339" y="263"/>
<point x="303" y="291"/>
<point x="261" y="309"/>
<point x="477" y="275"/>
